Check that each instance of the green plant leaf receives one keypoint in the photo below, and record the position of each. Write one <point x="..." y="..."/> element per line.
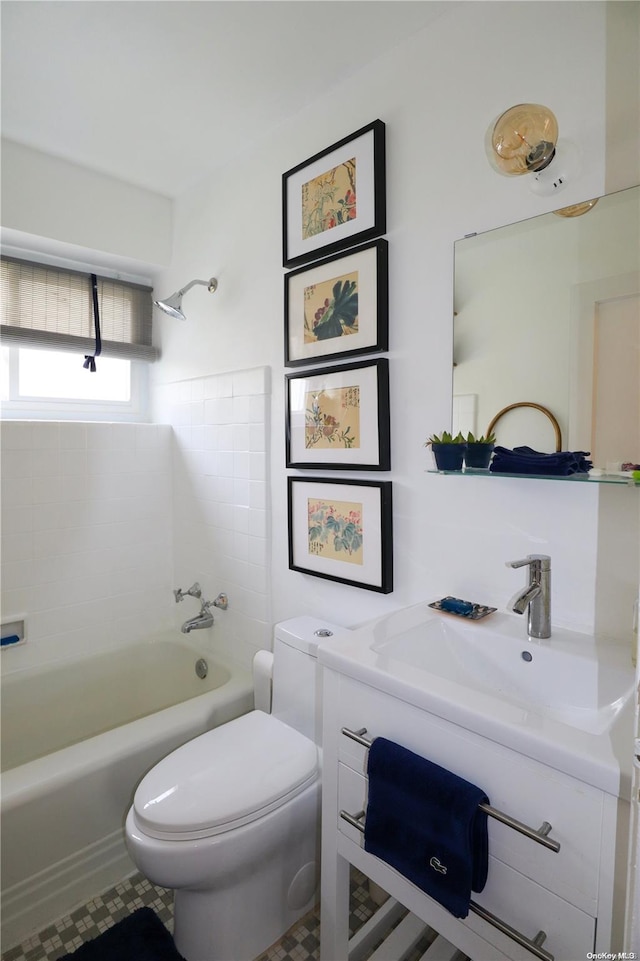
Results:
<point x="444" y="438"/>
<point x="489" y="439"/>
<point x="343" y="309"/>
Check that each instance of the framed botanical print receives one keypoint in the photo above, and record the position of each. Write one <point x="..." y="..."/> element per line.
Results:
<point x="338" y="307"/>
<point x="338" y="417"/>
<point x="336" y="198"/>
<point x="342" y="530"/>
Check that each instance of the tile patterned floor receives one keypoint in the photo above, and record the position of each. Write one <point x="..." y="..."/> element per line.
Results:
<point x="90" y="920"/>
<point x="301" y="943"/>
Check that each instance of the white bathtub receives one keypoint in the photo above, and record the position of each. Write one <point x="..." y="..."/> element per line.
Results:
<point x="77" y="737"/>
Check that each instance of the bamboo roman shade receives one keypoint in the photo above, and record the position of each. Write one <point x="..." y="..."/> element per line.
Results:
<point x="44" y="306"/>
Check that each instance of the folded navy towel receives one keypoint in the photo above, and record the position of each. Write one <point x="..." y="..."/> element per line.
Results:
<point x="525" y="460"/>
<point x="425" y="822"/>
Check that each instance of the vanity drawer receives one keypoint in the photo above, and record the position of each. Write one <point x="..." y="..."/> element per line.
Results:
<point x="522" y="788"/>
<point x="509" y="895"/>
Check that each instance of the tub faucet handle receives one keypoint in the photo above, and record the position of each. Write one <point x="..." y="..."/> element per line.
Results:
<point x="194" y="591"/>
<point x="221" y="601"/>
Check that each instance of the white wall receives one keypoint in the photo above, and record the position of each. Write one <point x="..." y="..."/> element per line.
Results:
<point x="437" y="94"/>
<point x="221" y="504"/>
<point x="47" y="197"/>
<point x="100" y="522"/>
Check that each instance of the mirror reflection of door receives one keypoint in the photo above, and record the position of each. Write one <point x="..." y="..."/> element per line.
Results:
<point x="616" y="421"/>
<point x="605" y="394"/>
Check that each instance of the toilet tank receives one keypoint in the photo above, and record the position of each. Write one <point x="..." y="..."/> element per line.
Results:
<point x="297" y="693"/>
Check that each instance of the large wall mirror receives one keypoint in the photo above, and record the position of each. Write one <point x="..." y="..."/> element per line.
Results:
<point x="547" y="312"/>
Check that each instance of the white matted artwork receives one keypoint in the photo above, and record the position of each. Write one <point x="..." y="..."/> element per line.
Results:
<point x="342" y="530"/>
<point x="338" y="417"/>
<point x="338" y="307"/>
<point x="336" y="198"/>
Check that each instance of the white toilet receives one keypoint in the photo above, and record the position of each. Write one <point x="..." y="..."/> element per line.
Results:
<point x="231" y="819"/>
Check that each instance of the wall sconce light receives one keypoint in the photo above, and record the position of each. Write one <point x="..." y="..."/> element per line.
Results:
<point x="173" y="305"/>
<point x="576" y="210"/>
<point x="524" y="140"/>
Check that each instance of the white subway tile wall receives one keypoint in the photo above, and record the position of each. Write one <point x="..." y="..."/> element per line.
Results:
<point x="221" y="501"/>
<point x="86" y="534"/>
<point x="101" y="521"/>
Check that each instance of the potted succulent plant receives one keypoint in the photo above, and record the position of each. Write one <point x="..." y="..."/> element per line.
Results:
<point x="479" y="450"/>
<point x="448" y="451"/>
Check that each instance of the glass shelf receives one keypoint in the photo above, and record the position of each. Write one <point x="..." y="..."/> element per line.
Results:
<point x="625" y="479"/>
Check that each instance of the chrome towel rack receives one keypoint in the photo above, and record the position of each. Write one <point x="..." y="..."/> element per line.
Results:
<point x="531" y="944"/>
<point x="540" y="836"/>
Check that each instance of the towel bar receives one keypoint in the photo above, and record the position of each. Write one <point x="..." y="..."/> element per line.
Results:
<point x="356" y="821"/>
<point x="539" y="835"/>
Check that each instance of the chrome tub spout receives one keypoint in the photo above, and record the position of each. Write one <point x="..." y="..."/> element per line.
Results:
<point x="197" y="623"/>
<point x="201" y="621"/>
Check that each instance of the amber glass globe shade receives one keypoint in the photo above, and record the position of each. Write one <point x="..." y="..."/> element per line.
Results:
<point x="524" y="139"/>
<point x="576" y="210"/>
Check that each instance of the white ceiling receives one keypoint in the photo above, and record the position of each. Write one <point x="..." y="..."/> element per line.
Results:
<point x="160" y="92"/>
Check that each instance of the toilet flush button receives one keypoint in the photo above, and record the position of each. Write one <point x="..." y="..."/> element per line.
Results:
<point x="323" y="632"/>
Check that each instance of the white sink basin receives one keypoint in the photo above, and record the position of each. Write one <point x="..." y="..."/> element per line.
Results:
<point x="567" y="678"/>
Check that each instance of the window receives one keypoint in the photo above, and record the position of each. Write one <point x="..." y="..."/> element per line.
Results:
<point x="48" y="328"/>
<point x="48" y="383"/>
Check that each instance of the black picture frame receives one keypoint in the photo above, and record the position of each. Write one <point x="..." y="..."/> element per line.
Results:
<point x="342" y="530"/>
<point x="355" y="320"/>
<point x="337" y="417"/>
<point x="336" y="198"/>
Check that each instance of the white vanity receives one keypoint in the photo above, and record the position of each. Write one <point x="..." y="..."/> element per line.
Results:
<point x="543" y="727"/>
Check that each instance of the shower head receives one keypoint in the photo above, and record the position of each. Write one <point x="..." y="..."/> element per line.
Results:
<point x="173" y="305"/>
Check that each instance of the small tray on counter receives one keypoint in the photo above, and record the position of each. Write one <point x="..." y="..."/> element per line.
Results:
<point x="467" y="609"/>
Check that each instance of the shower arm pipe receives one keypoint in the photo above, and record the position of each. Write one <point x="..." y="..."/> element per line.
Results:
<point x="211" y="284"/>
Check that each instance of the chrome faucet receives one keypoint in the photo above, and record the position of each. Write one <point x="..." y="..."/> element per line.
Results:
<point x="201" y="621"/>
<point x="536" y="596"/>
<point x="204" y="618"/>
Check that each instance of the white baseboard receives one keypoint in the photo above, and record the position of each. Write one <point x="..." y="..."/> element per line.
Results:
<point x="38" y="901"/>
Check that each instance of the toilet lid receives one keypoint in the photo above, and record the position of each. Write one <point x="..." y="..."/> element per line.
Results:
<point x="227" y="777"/>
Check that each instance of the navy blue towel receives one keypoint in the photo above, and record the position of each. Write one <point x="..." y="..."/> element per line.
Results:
<point x="525" y="460"/>
<point x="425" y="822"/>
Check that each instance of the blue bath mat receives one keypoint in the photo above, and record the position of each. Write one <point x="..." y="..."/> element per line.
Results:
<point x="140" y="936"/>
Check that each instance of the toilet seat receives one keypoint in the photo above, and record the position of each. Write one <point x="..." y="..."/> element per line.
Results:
<point x="225" y="778"/>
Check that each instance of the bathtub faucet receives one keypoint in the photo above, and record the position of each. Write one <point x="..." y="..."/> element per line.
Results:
<point x="201" y="621"/>
<point x="205" y="618"/>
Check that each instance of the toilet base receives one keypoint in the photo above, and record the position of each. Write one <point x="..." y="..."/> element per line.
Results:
<point x="238" y="893"/>
<point x="232" y="924"/>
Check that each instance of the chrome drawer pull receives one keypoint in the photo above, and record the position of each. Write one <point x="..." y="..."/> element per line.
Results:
<point x="357" y="736"/>
<point x="540" y="836"/>
<point x="531" y="945"/>
<point x="356" y="821"/>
